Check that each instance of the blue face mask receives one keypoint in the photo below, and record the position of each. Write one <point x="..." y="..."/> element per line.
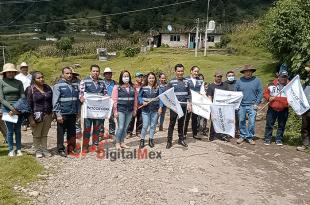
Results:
<point x="231" y="78"/>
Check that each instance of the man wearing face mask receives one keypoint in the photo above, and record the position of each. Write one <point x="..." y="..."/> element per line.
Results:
<point x="92" y="85"/>
<point x="231" y="81"/>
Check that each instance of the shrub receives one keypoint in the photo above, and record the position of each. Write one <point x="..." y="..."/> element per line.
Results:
<point x="131" y="52"/>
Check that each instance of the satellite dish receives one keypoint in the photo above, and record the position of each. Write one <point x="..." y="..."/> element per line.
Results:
<point x="169" y="27"/>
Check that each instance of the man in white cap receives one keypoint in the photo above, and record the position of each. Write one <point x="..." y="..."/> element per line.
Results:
<point x="24" y="76"/>
<point x="109" y="84"/>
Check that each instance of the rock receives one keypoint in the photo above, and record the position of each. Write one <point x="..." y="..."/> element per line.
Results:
<point x="192" y="202"/>
<point x="276" y="155"/>
<point x="194" y="190"/>
<point x="34" y="194"/>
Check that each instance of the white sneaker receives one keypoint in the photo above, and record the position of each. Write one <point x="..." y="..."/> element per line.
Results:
<point x="19" y="153"/>
<point x="11" y="153"/>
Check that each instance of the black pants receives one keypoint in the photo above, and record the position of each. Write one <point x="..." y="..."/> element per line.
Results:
<point x="305" y="128"/>
<point x="271" y="117"/>
<point x="112" y="125"/>
<point x="173" y="120"/>
<point x="138" y="120"/>
<point x="68" y="126"/>
<point x="194" y="123"/>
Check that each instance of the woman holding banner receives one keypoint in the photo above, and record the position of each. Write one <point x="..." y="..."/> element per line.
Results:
<point x="196" y="85"/>
<point x="125" y="106"/>
<point x="150" y="107"/>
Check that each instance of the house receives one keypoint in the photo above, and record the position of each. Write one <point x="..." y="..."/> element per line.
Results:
<point x="186" y="38"/>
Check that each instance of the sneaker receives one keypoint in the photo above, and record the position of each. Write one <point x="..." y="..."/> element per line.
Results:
<point x="266" y="142"/>
<point x="11" y="153"/>
<point x="19" y="153"/>
<point x="240" y="140"/>
<point x="251" y="142"/>
<point x="62" y="153"/>
<point x="302" y="148"/>
<point x="46" y="153"/>
<point x="39" y="154"/>
<point x="279" y="143"/>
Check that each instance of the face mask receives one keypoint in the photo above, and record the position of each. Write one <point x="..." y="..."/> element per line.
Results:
<point x="231" y="78"/>
<point x="125" y="79"/>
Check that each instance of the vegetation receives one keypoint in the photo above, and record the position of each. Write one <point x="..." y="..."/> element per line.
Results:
<point x="287" y="33"/>
<point x="64" y="45"/>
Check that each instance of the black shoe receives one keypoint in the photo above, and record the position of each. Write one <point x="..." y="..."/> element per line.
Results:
<point x="169" y="145"/>
<point x="184" y="137"/>
<point x="151" y="143"/>
<point x="141" y="143"/>
<point x="196" y="137"/>
<point x="182" y="142"/>
<point x="225" y="139"/>
<point x="62" y="153"/>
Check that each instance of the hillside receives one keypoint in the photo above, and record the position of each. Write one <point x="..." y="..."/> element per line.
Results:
<point x="224" y="12"/>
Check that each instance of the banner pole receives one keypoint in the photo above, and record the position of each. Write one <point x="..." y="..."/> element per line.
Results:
<point x="82" y="129"/>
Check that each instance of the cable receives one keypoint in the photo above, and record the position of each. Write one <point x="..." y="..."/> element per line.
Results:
<point x="105" y="15"/>
<point x="21" y="14"/>
<point x="23" y="2"/>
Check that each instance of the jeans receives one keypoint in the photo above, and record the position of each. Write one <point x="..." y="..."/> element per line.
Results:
<point x="247" y="132"/>
<point x="162" y="116"/>
<point x="272" y="116"/>
<point x="305" y="128"/>
<point x="14" y="128"/>
<point x="194" y="123"/>
<point x="123" y="122"/>
<point x="68" y="126"/>
<point x="111" y="125"/>
<point x="138" y="120"/>
<point x="149" y="120"/>
<point x="98" y="130"/>
<point x="173" y="120"/>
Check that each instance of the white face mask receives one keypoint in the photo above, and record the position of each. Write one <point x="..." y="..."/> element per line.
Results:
<point x="125" y="79"/>
<point x="231" y="78"/>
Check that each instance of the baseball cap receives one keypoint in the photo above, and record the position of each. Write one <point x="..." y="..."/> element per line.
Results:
<point x="283" y="73"/>
<point x="138" y="74"/>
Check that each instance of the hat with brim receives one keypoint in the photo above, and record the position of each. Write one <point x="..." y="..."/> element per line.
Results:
<point x="9" y="67"/>
<point x="247" y="68"/>
<point x="307" y="69"/>
<point x="107" y="70"/>
<point x="74" y="72"/>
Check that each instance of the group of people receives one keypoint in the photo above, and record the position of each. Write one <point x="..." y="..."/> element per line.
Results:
<point x="135" y="104"/>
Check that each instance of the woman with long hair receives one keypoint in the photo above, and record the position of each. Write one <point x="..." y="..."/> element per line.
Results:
<point x="125" y="106"/>
<point x="148" y="98"/>
<point x="11" y="90"/>
<point x="39" y="96"/>
<point x="162" y="84"/>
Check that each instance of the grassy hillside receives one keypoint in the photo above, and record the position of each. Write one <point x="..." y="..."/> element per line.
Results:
<point x="161" y="59"/>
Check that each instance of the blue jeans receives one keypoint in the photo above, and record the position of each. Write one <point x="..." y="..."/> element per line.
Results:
<point x="272" y="116"/>
<point x="149" y="119"/>
<point x="123" y="122"/>
<point x="247" y="132"/>
<point x="162" y="116"/>
<point x="14" y="128"/>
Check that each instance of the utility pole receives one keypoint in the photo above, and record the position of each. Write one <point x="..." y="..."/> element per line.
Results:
<point x="197" y="36"/>
<point x="206" y="32"/>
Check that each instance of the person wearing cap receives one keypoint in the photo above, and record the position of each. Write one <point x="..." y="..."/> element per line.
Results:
<point x="277" y="108"/>
<point x="109" y="84"/>
<point x="66" y="106"/>
<point x="162" y="85"/>
<point x="25" y="77"/>
<point x="183" y="94"/>
<point x="76" y="82"/>
<point x="251" y="88"/>
<point x="305" y="125"/>
<point x="138" y="118"/>
<point x="11" y="90"/>
<point x="217" y="84"/>
<point x="92" y="84"/>
<point x="197" y="85"/>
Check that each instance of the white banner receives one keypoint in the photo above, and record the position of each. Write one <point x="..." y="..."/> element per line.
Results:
<point x="201" y="105"/>
<point x="170" y="100"/>
<point x="296" y="96"/>
<point x="97" y="107"/>
<point x="227" y="97"/>
<point x="223" y="118"/>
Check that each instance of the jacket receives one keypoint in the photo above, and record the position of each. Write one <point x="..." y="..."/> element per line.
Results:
<point x="280" y="102"/>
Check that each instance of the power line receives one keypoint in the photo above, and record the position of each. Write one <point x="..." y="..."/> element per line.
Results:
<point x="23" y="2"/>
<point x="21" y="14"/>
<point x="105" y="15"/>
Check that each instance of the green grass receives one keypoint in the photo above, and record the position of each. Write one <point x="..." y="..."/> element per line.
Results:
<point x="15" y="171"/>
<point x="162" y="59"/>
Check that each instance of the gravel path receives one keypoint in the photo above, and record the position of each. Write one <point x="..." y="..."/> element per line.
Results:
<point x="204" y="173"/>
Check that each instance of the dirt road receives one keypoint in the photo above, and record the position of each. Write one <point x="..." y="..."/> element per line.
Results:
<point x="204" y="173"/>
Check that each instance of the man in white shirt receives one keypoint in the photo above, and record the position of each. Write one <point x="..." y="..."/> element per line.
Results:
<point x="24" y="76"/>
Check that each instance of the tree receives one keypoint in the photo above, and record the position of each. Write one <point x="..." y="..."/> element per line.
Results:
<point x="64" y="45"/>
<point x="287" y="33"/>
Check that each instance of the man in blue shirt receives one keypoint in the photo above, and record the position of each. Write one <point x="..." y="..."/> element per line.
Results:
<point x="252" y="90"/>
